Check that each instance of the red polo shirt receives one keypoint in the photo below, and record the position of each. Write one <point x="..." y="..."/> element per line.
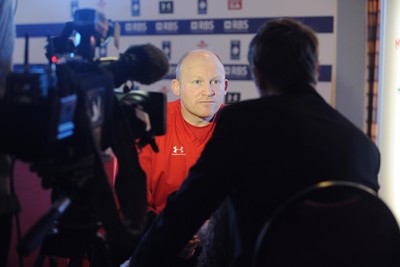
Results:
<point x="179" y="149"/>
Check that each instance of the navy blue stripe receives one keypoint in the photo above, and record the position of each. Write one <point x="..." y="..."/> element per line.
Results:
<point x="321" y="24"/>
<point x="241" y="72"/>
<point x="234" y="72"/>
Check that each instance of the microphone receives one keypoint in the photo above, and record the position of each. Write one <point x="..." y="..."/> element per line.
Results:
<point x="145" y="64"/>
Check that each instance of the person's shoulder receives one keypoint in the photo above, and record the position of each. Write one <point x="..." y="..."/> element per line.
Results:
<point x="174" y="106"/>
<point x="239" y="110"/>
<point x="174" y="113"/>
<point x="244" y="105"/>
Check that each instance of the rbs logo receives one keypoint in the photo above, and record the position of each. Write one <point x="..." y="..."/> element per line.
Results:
<point x="202" y="25"/>
<point x="236" y="25"/>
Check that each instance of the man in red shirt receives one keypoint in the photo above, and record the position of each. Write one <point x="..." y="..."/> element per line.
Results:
<point x="201" y="86"/>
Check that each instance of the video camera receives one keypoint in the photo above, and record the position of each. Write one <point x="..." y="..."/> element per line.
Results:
<point x="43" y="111"/>
<point x="60" y="117"/>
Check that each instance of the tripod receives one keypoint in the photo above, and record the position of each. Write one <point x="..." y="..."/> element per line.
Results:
<point x="71" y="227"/>
<point x="85" y="203"/>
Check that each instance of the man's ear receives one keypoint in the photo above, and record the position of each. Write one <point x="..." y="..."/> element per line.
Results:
<point x="226" y="86"/>
<point x="176" y="87"/>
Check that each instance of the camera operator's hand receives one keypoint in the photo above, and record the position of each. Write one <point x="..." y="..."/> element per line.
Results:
<point x="144" y="117"/>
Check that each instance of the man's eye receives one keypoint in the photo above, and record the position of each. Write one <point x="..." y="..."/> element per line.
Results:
<point x="215" y="82"/>
<point x="197" y="82"/>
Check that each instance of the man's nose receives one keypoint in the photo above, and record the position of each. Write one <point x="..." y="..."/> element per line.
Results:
<point x="209" y="90"/>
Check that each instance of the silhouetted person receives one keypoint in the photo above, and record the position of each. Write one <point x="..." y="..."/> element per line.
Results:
<point x="264" y="150"/>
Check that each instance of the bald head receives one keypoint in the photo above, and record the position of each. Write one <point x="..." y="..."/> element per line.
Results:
<point x="196" y="55"/>
<point x="201" y="85"/>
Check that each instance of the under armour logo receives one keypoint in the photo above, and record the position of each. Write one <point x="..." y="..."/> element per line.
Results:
<point x="176" y="149"/>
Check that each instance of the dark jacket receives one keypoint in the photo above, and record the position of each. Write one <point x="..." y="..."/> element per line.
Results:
<point x="261" y="153"/>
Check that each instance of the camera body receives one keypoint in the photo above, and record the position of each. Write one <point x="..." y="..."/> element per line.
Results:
<point x="43" y="111"/>
<point x="54" y="110"/>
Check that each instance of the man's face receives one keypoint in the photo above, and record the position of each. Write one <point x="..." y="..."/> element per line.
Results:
<point x="201" y="86"/>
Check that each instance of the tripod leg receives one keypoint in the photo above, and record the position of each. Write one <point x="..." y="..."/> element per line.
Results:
<point x="39" y="262"/>
<point x="5" y="240"/>
<point x="40" y="259"/>
<point x="100" y="255"/>
<point x="53" y="261"/>
<point x="75" y="262"/>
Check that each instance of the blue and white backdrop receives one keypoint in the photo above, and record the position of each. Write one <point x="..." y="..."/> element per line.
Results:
<point x="176" y="26"/>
